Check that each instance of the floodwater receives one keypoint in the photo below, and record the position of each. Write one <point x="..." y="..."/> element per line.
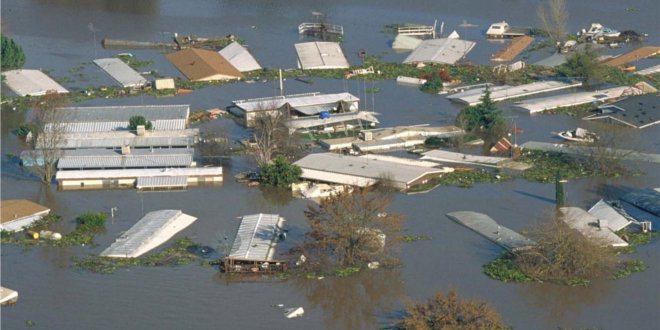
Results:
<point x="57" y="35"/>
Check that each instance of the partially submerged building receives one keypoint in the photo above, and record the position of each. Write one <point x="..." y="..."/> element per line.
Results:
<point x="363" y="172"/>
<point x="638" y="111"/>
<point x="307" y="104"/>
<point x="335" y="122"/>
<point x="321" y="55"/>
<point x="100" y="159"/>
<point x="608" y="216"/>
<point x="15" y="214"/>
<point x="31" y="83"/>
<point x="116" y="139"/>
<point x="513" y="49"/>
<point x="500" y="93"/>
<point x="154" y="229"/>
<point x="384" y="139"/>
<point x="541" y="104"/>
<point x="440" y="51"/>
<point x="591" y="227"/>
<point x="123" y="74"/>
<point x="239" y="57"/>
<point x="116" y="118"/>
<point x="254" y="246"/>
<point x="203" y="65"/>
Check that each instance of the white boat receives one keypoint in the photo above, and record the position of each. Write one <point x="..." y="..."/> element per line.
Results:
<point x="578" y="135"/>
<point x="294" y="312"/>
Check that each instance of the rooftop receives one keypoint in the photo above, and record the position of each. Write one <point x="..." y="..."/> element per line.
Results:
<point x="296" y="101"/>
<point x="31" y="82"/>
<point x="13" y="209"/>
<point x="137" y="173"/>
<point x="256" y="237"/>
<point x="203" y="65"/>
<point x="587" y="225"/>
<point x="637" y="111"/>
<point x="117" y="139"/>
<point x="604" y="211"/>
<point x="121" y="72"/>
<point x="124" y="113"/>
<point x="566" y="100"/>
<point x="499" y="93"/>
<point x="240" y="57"/>
<point x="320" y="55"/>
<point x="138" y="158"/>
<point x="442" y="51"/>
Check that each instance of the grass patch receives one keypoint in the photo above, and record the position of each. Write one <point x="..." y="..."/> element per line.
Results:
<point x="627" y="268"/>
<point x="175" y="255"/>
<point x="471" y="177"/>
<point x="414" y="238"/>
<point x="548" y="164"/>
<point x="505" y="269"/>
<point x="347" y="271"/>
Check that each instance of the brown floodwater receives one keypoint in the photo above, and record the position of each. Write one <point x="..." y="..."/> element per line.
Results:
<point x="56" y="35"/>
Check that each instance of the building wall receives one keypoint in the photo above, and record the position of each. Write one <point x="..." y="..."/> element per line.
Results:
<point x="19" y="224"/>
<point x="81" y="184"/>
<point x="352" y="180"/>
<point x="423" y="179"/>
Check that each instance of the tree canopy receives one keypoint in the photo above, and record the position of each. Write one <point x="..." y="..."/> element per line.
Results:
<point x="280" y="173"/>
<point x="12" y="54"/>
<point x="482" y="117"/>
<point x="136" y="121"/>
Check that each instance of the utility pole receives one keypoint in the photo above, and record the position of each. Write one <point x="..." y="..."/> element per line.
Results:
<point x="281" y="84"/>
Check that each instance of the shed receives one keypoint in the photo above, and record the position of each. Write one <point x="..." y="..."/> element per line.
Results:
<point x="363" y="172"/>
<point x="637" y="111"/>
<point x="320" y="55"/>
<point x="203" y="65"/>
<point x="240" y="57"/>
<point x="254" y="246"/>
<point x="123" y="74"/>
<point x="31" y="83"/>
<point x="440" y="51"/>
<point x="154" y="229"/>
<point x="15" y="214"/>
<point x="590" y="226"/>
<point x="115" y="118"/>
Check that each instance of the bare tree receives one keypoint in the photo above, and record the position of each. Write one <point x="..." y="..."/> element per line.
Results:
<point x="554" y="18"/>
<point x="50" y="131"/>
<point x="213" y="146"/>
<point x="606" y="153"/>
<point x="350" y="229"/>
<point x="271" y="136"/>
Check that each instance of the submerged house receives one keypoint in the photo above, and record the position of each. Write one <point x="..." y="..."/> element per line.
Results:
<point x="116" y="118"/>
<point x="440" y="51"/>
<point x="321" y="55"/>
<point x="364" y="171"/>
<point x="203" y="65"/>
<point x="307" y="104"/>
<point x="638" y="111"/>
<point x="15" y="214"/>
<point x="26" y="82"/>
<point x="240" y="57"/>
<point x="253" y="250"/>
<point x="123" y="74"/>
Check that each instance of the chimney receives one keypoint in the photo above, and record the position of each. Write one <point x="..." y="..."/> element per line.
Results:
<point x="140" y="130"/>
<point x="126" y="149"/>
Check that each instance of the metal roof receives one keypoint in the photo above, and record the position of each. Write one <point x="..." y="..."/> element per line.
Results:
<point x="138" y="158"/>
<point x="350" y="169"/>
<point x="308" y="122"/>
<point x="137" y="173"/>
<point x="587" y="225"/>
<point x="239" y="57"/>
<point x="161" y="182"/>
<point x="320" y="55"/>
<point x="121" y="72"/>
<point x="124" y="113"/>
<point x="31" y="82"/>
<point x="295" y="101"/>
<point x="604" y="211"/>
<point x="638" y="111"/>
<point x="501" y="93"/>
<point x="443" y="51"/>
<point x="256" y="236"/>
<point x="117" y="139"/>
<point x="566" y="100"/>
<point x="149" y="232"/>
<point x="645" y="199"/>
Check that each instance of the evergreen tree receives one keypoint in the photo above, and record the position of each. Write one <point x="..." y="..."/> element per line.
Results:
<point x="280" y="173"/>
<point x="12" y="54"/>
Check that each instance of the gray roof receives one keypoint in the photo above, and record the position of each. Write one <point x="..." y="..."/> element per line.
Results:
<point x="501" y="93"/>
<point x="152" y="230"/>
<point x="552" y="61"/>
<point x="646" y="199"/>
<point x="638" y="111"/>
<point x="138" y="158"/>
<point x="566" y="100"/>
<point x="604" y="211"/>
<point x="587" y="225"/>
<point x="320" y="55"/>
<point x="31" y="82"/>
<point x="121" y="72"/>
<point x="161" y="182"/>
<point x="111" y="118"/>
<point x="256" y="236"/>
<point x="443" y="51"/>
<point x="331" y="167"/>
<point x="117" y="139"/>
<point x="239" y="57"/>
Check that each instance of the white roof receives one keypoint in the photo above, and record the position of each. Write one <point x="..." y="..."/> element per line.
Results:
<point x="239" y="57"/>
<point x="154" y="229"/>
<point x="404" y="42"/>
<point x="604" y="211"/>
<point x="161" y="182"/>
<point x="255" y="239"/>
<point x="137" y="173"/>
<point x="141" y="158"/>
<point x="566" y="100"/>
<point x="294" y="100"/>
<point x="505" y="92"/>
<point x="117" y="139"/>
<point x="587" y="225"/>
<point x="31" y="82"/>
<point x="121" y="72"/>
<point x="320" y="55"/>
<point x="443" y="51"/>
<point x="651" y="70"/>
<point x="308" y="122"/>
<point x="336" y="168"/>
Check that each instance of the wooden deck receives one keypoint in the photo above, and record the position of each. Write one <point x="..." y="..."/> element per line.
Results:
<point x="513" y="49"/>
<point x="632" y="56"/>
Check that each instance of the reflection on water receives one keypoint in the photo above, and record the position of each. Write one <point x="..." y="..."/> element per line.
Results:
<point x="353" y="302"/>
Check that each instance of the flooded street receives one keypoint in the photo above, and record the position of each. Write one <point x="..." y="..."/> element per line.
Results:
<point x="56" y="35"/>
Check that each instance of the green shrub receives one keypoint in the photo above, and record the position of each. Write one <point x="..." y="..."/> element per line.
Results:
<point x="12" y="54"/>
<point x="280" y="173"/>
<point x="136" y="121"/>
<point x="91" y="221"/>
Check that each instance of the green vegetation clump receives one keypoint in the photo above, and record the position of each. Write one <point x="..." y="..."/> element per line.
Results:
<point x="627" y="268"/>
<point x="505" y="269"/>
<point x="280" y="173"/>
<point x="414" y="238"/>
<point x="549" y="166"/>
<point x="346" y="271"/>
<point x="136" y="121"/>
<point x="177" y="254"/>
<point x="12" y="54"/>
